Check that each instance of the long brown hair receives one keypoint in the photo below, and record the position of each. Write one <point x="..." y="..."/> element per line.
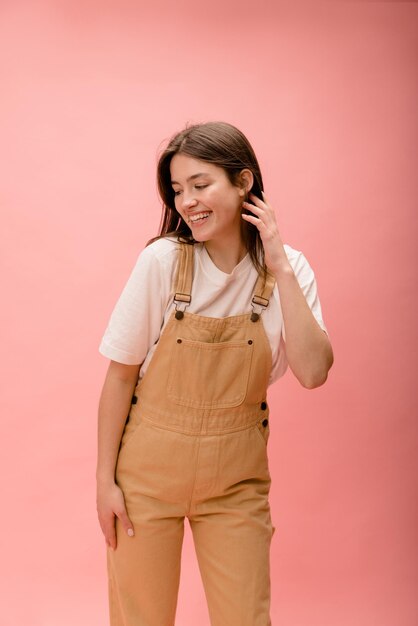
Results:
<point x="223" y="145"/>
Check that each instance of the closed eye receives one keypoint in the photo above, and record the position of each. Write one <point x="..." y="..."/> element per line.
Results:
<point x="176" y="193"/>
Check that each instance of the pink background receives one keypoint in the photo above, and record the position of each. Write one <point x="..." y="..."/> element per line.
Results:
<point x="327" y="94"/>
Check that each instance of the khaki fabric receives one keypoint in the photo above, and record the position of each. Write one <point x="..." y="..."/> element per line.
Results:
<point x="195" y="446"/>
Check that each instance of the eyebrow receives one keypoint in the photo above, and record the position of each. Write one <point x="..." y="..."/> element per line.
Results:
<point x="192" y="177"/>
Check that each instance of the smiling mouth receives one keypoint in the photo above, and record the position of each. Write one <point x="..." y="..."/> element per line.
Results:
<point x="199" y="218"/>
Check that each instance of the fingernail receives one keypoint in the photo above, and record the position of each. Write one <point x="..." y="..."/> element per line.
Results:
<point x="130" y="532"/>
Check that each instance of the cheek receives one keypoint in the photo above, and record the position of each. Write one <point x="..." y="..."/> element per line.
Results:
<point x="221" y="199"/>
<point x="177" y="206"/>
<point x="211" y="197"/>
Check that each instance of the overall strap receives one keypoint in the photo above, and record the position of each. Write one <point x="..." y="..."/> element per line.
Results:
<point x="262" y="294"/>
<point x="184" y="277"/>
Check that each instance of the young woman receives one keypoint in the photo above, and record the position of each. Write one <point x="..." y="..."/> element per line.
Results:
<point x="215" y="309"/>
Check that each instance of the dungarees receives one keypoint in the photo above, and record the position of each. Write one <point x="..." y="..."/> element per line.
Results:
<point x="195" y="446"/>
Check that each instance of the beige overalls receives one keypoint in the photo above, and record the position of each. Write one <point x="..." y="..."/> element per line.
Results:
<point x="195" y="446"/>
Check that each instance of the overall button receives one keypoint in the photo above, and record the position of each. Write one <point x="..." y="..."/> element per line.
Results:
<point x="265" y="422"/>
<point x="263" y="406"/>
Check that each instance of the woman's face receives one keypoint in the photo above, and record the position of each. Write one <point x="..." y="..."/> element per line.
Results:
<point x="206" y="199"/>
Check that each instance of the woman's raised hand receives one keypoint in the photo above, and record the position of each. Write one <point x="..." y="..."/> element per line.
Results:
<point x="264" y="219"/>
<point x="111" y="503"/>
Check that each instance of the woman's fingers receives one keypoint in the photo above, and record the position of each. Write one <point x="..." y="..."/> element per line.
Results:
<point x="253" y="208"/>
<point x="120" y="511"/>
<point x="107" y="524"/>
<point x="253" y="219"/>
<point x="111" y="503"/>
<point x="125" y="521"/>
<point x="110" y="532"/>
<point x="258" y="202"/>
<point x="109" y="529"/>
<point x="260" y="209"/>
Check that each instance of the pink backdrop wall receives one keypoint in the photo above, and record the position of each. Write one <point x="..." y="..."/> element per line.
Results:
<point x="327" y="94"/>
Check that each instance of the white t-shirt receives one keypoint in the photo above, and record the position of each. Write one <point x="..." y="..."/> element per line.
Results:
<point x="146" y="302"/>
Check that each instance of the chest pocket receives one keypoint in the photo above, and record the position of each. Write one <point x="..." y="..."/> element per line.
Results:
<point x="209" y="375"/>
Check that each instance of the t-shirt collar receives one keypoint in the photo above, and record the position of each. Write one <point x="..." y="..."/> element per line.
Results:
<point x="215" y="273"/>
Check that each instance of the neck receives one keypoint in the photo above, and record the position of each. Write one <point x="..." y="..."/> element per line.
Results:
<point x="226" y="254"/>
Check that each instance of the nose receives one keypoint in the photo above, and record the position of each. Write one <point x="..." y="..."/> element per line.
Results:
<point x="187" y="201"/>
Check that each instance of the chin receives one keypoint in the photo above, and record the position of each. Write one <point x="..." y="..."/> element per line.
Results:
<point x="200" y="237"/>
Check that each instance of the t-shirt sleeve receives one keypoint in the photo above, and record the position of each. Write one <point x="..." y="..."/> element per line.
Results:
<point x="136" y="321"/>
<point x="307" y="282"/>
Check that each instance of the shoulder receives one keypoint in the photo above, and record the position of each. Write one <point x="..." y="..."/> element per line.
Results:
<point x="161" y="248"/>
<point x="154" y="264"/>
<point x="158" y="254"/>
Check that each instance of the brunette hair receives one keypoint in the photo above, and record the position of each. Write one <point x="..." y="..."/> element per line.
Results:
<point x="227" y="147"/>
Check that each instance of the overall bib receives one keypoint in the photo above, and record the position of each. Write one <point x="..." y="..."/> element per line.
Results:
<point x="195" y="446"/>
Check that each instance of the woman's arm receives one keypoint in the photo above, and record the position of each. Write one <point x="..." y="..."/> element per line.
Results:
<point x="114" y="405"/>
<point x="308" y="349"/>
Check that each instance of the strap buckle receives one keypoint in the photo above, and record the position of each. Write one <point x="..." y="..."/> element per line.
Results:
<point x="181" y="301"/>
<point x="258" y="304"/>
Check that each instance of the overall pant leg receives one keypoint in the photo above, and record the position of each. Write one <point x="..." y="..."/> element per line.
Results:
<point x="144" y="570"/>
<point x="232" y="531"/>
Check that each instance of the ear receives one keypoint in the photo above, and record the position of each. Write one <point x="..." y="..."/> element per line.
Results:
<point x="246" y="179"/>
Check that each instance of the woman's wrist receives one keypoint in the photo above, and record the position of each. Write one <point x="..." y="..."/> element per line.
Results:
<point x="281" y="268"/>
<point x="104" y="479"/>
